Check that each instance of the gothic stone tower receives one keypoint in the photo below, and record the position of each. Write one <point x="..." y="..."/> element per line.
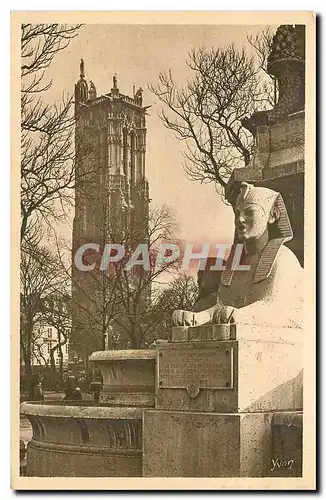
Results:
<point x="111" y="194"/>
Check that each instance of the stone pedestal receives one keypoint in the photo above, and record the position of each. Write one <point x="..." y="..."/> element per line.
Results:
<point x="215" y="400"/>
<point x="286" y="456"/>
<point x="196" y="444"/>
<point x="128" y="377"/>
<point x="239" y="375"/>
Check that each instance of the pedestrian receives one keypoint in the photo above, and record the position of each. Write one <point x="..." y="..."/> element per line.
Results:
<point x="77" y="396"/>
<point x="69" y="391"/>
<point x="38" y="392"/>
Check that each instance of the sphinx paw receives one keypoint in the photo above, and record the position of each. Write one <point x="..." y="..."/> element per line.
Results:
<point x="224" y="315"/>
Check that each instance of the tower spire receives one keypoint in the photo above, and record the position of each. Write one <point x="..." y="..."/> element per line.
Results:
<point x="82" y="69"/>
<point x="114" y="89"/>
<point x="115" y="81"/>
<point x="81" y="89"/>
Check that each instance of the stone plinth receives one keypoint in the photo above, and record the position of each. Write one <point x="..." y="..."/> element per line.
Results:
<point x="215" y="410"/>
<point x="217" y="390"/>
<point x="128" y="377"/>
<point x="83" y="441"/>
<point x="181" y="444"/>
<point x="258" y="370"/>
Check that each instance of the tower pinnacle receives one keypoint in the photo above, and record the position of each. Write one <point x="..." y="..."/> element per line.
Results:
<point x="81" y="89"/>
<point x="114" y="89"/>
<point x="82" y="69"/>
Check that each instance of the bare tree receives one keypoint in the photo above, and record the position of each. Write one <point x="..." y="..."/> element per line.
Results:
<point x="40" y="275"/>
<point x="96" y="308"/>
<point x="262" y="43"/>
<point x="56" y="312"/>
<point x="180" y="293"/>
<point x="115" y="304"/>
<point x="226" y="86"/>
<point x="47" y="132"/>
<point x="135" y="287"/>
<point x="39" y="347"/>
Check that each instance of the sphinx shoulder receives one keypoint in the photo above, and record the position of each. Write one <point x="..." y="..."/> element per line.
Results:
<point x="287" y="263"/>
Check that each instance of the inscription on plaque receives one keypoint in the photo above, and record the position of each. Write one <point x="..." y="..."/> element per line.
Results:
<point x="203" y="368"/>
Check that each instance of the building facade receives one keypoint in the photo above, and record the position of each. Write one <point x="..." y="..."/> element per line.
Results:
<point x="44" y="339"/>
<point x="111" y="196"/>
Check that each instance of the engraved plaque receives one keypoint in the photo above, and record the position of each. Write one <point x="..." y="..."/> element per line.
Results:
<point x="195" y="369"/>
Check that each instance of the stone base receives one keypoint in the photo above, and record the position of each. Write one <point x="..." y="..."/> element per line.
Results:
<point x="287" y="444"/>
<point x="54" y="460"/>
<point x="180" y="444"/>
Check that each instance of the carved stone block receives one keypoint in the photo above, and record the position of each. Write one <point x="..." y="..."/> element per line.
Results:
<point x="212" y="332"/>
<point x="128" y="377"/>
<point x="189" y="444"/>
<point x="178" y="334"/>
<point x="282" y="135"/>
<point x="230" y="376"/>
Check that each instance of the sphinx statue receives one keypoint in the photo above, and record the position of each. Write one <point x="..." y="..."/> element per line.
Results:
<point x="269" y="290"/>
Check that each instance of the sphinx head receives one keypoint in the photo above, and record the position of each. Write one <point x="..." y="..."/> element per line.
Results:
<point x="256" y="209"/>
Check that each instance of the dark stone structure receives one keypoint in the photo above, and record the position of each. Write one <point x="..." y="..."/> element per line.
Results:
<point x="278" y="160"/>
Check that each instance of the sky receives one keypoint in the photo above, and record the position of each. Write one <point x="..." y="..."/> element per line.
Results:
<point x="136" y="54"/>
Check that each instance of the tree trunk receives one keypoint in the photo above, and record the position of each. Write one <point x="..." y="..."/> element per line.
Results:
<point x="30" y="381"/>
<point x="27" y="356"/>
<point x="52" y="365"/>
<point x="103" y="334"/>
<point x="61" y="364"/>
<point x="60" y="344"/>
<point x="134" y="337"/>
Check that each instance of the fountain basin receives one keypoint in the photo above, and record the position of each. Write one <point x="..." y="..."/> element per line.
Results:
<point x="95" y="439"/>
<point x="83" y="440"/>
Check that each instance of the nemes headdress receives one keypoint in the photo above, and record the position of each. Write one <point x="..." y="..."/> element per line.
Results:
<point x="251" y="195"/>
<point x="247" y="194"/>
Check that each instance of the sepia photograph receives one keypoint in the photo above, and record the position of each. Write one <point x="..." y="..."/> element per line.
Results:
<point x="163" y="242"/>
